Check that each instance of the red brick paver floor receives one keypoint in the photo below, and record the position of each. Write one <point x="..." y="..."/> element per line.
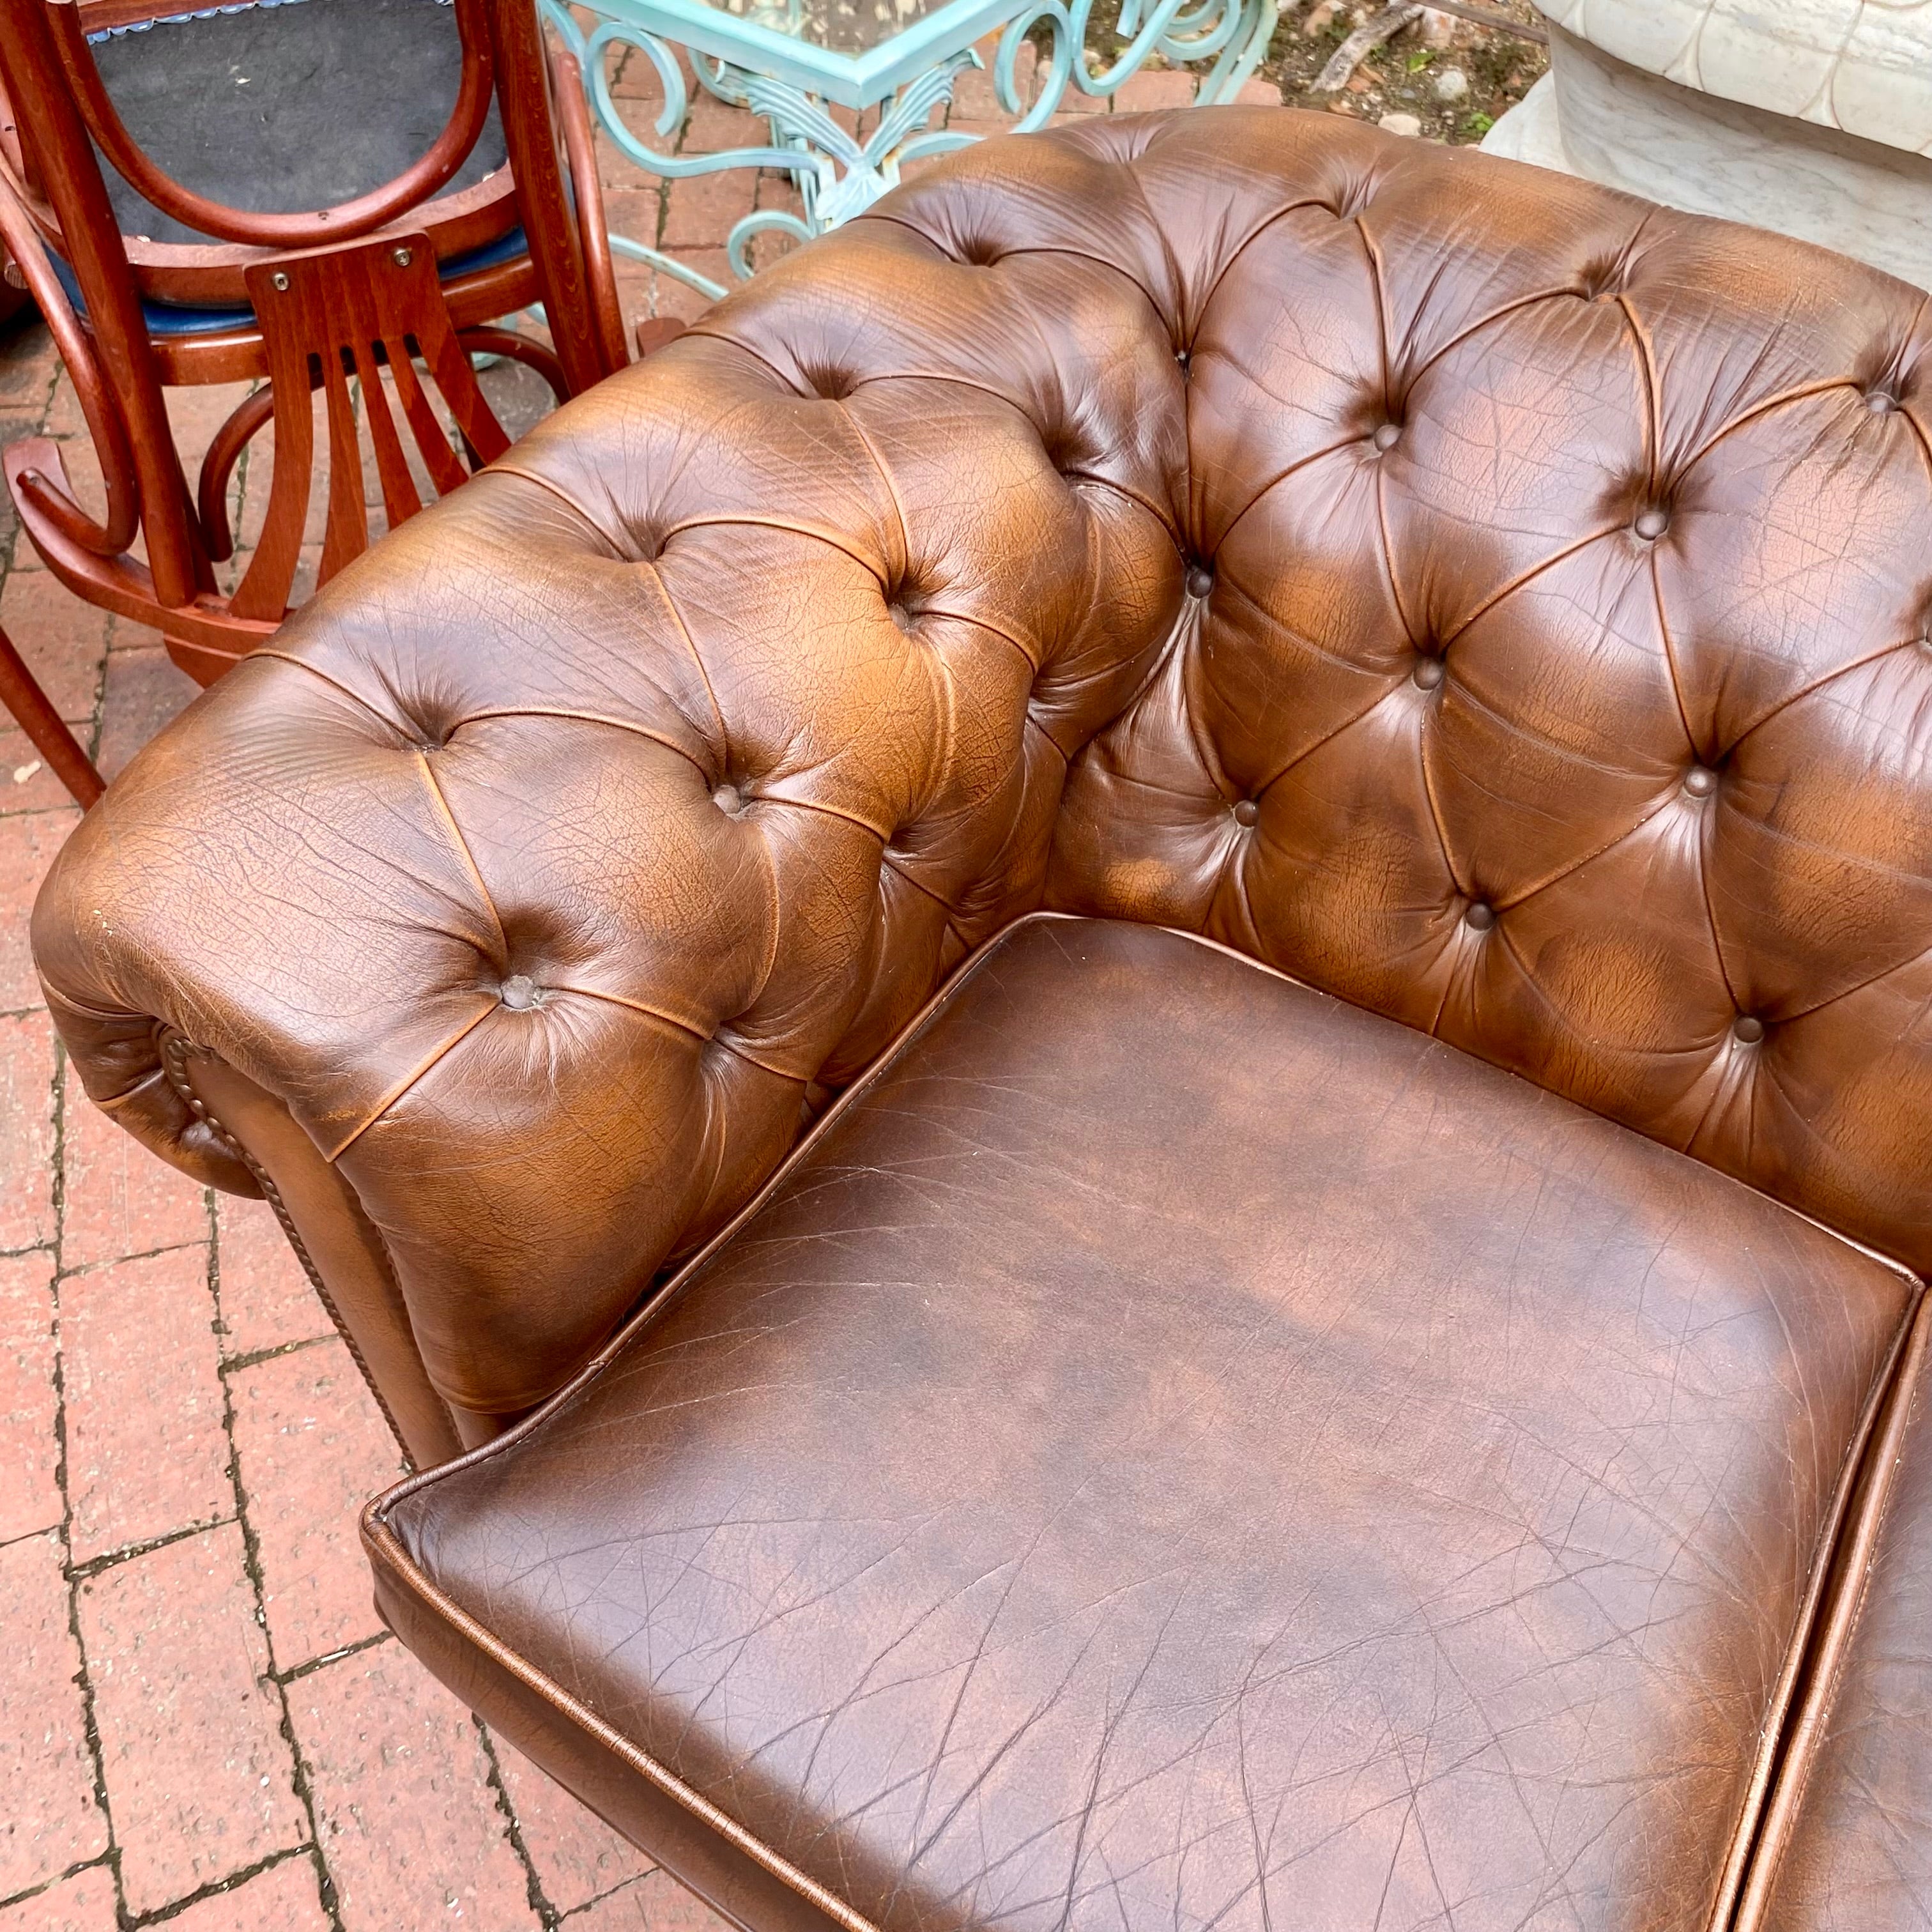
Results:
<point x="202" y="1723"/>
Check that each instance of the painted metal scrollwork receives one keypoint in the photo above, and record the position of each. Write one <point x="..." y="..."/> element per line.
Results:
<point x="761" y="61"/>
<point x="1233" y="34"/>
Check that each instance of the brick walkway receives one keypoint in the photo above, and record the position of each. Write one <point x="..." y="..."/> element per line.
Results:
<point x="201" y="1722"/>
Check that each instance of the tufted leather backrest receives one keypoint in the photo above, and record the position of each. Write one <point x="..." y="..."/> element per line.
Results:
<point x="1494" y="600"/>
<point x="1564" y="687"/>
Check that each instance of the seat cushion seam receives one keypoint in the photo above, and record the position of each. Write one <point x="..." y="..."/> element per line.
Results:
<point x="1798" y="1747"/>
<point x="1912" y="1282"/>
<point x="674" y="1290"/>
<point x="1784" y="1708"/>
<point x="1759" y="1767"/>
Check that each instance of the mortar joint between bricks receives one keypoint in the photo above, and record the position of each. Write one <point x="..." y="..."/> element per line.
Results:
<point x="310" y="1666"/>
<point x="84" y="1678"/>
<point x="86" y="1571"/>
<point x="118" y="1261"/>
<point x="255" y="1357"/>
<point x="251" y="1565"/>
<point x="539" y="1903"/>
<point x="214" y="1888"/>
<point x="28" y="1894"/>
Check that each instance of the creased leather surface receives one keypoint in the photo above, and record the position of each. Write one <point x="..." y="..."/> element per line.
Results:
<point x="757" y="687"/>
<point x="1858" y="1855"/>
<point x="1178" y="1450"/>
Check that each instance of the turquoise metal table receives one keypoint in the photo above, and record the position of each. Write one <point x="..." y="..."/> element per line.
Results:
<point x="790" y="61"/>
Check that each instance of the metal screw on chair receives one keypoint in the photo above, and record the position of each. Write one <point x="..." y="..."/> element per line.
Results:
<point x="402" y="257"/>
<point x="280" y="282"/>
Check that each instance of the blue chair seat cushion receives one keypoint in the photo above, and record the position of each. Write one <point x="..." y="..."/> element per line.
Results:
<point x="166" y="319"/>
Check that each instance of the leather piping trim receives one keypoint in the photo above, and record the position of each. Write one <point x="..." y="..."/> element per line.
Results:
<point x="1740" y="1889"/>
<point x="655" y="575"/>
<point x="1013" y="403"/>
<point x="1739" y="1862"/>
<point x="504" y="466"/>
<point x="1792" y="1775"/>
<point x="175" y="1049"/>
<point x="690" y="1028"/>
<point x="687" y="1027"/>
<point x="465" y="857"/>
<point x="570" y="716"/>
<point x="1775" y="1735"/>
<point x="128" y="1094"/>
<point x="878" y="462"/>
<point x="270" y="651"/>
<point x="1035" y="661"/>
<point x="1262" y="224"/>
<point x="382" y="1540"/>
<point x="117" y="1016"/>
<point x="487" y="712"/>
<point x="403" y="1568"/>
<point x="725" y="520"/>
<point x="1780" y="1732"/>
<point x="1059" y="248"/>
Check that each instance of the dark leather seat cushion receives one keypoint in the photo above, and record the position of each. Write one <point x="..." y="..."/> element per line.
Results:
<point x="1176" y="1450"/>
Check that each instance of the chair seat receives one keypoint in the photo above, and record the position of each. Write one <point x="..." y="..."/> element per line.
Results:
<point x="286" y="106"/>
<point x="170" y="318"/>
<point x="1175" y="1449"/>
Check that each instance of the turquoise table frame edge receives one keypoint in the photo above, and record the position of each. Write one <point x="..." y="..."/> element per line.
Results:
<point x="751" y="62"/>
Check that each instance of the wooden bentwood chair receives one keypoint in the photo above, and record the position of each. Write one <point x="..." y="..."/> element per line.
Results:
<point x="408" y="275"/>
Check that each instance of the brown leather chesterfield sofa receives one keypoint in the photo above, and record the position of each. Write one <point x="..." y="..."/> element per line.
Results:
<point x="1327" y="746"/>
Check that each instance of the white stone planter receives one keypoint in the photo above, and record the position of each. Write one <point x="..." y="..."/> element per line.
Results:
<point x="1813" y="117"/>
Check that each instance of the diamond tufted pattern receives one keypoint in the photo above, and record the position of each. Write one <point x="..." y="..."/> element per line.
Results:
<point x="1497" y="601"/>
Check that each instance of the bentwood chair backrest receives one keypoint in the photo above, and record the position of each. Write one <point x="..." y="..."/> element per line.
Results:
<point x="146" y="196"/>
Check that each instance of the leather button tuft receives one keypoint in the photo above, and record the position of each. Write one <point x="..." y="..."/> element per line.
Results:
<point x="1652" y="524"/>
<point x="1388" y="436"/>
<point x="1880" y="402"/>
<point x="1200" y="579"/>
<point x="1246" y="812"/>
<point x="1428" y="673"/>
<point x="520" y="992"/>
<point x="1480" y="917"/>
<point x="1747" y="1028"/>
<point x="728" y="798"/>
<point x="1700" y="781"/>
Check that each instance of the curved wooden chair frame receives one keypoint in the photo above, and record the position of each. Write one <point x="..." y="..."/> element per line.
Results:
<point x="54" y="202"/>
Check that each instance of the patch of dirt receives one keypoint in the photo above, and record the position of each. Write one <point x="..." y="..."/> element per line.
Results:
<point x="1414" y="72"/>
<point x="1456" y="77"/>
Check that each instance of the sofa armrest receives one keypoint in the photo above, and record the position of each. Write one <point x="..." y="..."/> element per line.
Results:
<point x="545" y="862"/>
